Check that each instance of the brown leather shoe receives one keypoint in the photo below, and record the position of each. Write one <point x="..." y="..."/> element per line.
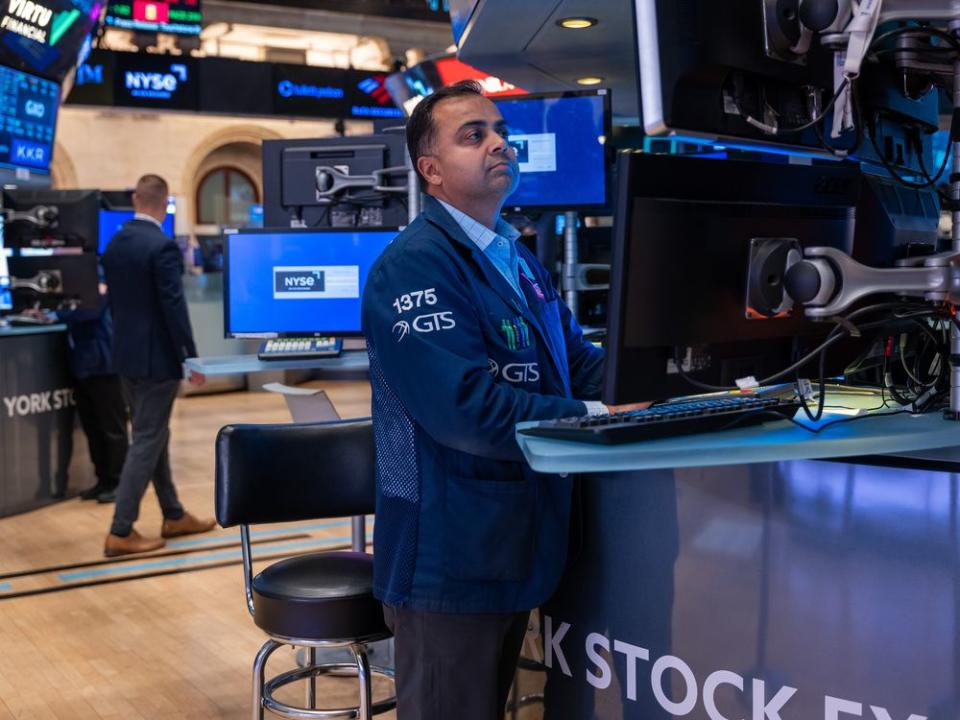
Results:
<point x="187" y="525"/>
<point x="132" y="543"/>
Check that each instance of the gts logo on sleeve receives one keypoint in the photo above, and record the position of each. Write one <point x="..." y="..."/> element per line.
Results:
<point x="424" y="324"/>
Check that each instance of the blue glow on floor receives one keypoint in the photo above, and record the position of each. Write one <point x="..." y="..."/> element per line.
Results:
<point x="186" y="561"/>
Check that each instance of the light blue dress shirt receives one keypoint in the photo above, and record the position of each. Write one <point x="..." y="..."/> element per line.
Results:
<point x="500" y="246"/>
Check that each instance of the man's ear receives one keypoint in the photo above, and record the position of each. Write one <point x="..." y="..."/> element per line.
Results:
<point x="430" y="169"/>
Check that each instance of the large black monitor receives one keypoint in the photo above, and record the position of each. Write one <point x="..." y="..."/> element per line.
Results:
<point x="51" y="218"/>
<point x="560" y="141"/>
<point x="28" y="121"/>
<point x="307" y="183"/>
<point x="297" y="282"/>
<point x="54" y="280"/>
<point x="707" y="66"/>
<point x="683" y="232"/>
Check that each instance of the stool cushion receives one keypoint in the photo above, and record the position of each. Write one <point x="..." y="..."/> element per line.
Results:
<point x="319" y="596"/>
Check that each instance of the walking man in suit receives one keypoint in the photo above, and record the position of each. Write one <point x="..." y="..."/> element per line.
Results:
<point x="152" y="338"/>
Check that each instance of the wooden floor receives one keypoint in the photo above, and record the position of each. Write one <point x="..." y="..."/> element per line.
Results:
<point x="118" y="640"/>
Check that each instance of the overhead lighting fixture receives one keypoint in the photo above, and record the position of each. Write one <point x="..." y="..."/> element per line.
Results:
<point x="589" y="80"/>
<point x="577" y="23"/>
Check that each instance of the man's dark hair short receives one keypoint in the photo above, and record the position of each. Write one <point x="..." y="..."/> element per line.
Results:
<point x="152" y="191"/>
<point x="421" y="130"/>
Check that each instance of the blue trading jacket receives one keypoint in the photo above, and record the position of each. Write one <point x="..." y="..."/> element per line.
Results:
<point x="456" y="361"/>
<point x="90" y="337"/>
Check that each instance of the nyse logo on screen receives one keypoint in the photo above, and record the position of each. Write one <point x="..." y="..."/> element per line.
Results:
<point x="156" y="85"/>
<point x="293" y="281"/>
<point x="316" y="282"/>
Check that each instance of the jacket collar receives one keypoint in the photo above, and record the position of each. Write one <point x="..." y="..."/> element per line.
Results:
<point x="435" y="213"/>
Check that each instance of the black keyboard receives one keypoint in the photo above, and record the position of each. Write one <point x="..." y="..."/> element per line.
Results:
<point x="679" y="417"/>
<point x="303" y="348"/>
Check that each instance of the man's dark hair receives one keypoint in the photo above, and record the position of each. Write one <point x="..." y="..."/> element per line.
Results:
<point x="152" y="191"/>
<point x="421" y="131"/>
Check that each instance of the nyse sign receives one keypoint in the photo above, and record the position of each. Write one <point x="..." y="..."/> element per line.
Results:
<point x="766" y="700"/>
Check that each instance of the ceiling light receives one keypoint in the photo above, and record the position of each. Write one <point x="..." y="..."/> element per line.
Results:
<point x="589" y="80"/>
<point x="577" y="23"/>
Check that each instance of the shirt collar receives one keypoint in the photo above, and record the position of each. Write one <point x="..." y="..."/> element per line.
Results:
<point x="148" y="218"/>
<point x="480" y="234"/>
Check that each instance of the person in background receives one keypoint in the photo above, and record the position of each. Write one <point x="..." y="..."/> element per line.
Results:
<point x="152" y="338"/>
<point x="97" y="392"/>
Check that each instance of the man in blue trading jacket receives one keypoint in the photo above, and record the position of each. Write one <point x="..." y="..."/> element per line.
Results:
<point x="466" y="337"/>
<point x="152" y="338"/>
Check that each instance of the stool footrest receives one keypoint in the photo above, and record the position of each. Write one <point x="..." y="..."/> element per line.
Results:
<point x="303" y="673"/>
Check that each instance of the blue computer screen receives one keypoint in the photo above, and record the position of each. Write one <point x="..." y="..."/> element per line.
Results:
<point x="298" y="282"/>
<point x="560" y="147"/>
<point x="28" y="120"/>
<point x="112" y="220"/>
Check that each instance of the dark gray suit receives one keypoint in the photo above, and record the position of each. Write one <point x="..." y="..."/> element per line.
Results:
<point x="152" y="338"/>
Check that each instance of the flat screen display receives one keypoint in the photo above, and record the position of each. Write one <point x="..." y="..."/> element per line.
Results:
<point x="164" y="82"/>
<point x="46" y="37"/>
<point x="182" y="17"/>
<point x="331" y="92"/>
<point x="298" y="282"/>
<point x="560" y="145"/>
<point x="28" y="107"/>
<point x="112" y="220"/>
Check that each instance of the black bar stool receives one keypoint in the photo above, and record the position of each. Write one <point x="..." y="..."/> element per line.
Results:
<point x="286" y="473"/>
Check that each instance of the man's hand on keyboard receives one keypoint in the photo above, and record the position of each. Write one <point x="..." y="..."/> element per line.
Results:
<point x="614" y="409"/>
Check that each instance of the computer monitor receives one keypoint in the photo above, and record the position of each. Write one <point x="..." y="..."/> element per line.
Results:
<point x="297" y="282"/>
<point x="306" y="182"/>
<point x="29" y="120"/>
<point x="683" y="232"/>
<point x="117" y="210"/>
<point x="705" y="66"/>
<point x="560" y="141"/>
<point x="51" y="218"/>
<point x="55" y="280"/>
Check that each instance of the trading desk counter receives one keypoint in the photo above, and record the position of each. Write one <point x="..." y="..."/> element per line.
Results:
<point x="37" y="420"/>
<point x="739" y="575"/>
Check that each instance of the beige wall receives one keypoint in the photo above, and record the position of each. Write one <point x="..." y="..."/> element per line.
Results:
<point x="110" y="149"/>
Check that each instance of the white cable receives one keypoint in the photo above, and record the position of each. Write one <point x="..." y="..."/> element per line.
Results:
<point x="861" y="28"/>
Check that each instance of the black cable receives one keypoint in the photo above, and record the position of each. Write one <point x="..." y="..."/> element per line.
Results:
<point x="823" y="390"/>
<point x="943" y="166"/>
<point x="800" y="128"/>
<point x="823" y="113"/>
<point x="894" y="173"/>
<point x="836" y="334"/>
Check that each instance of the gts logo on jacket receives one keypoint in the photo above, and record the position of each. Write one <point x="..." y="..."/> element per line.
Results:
<point x="515" y="372"/>
<point x="432" y="322"/>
